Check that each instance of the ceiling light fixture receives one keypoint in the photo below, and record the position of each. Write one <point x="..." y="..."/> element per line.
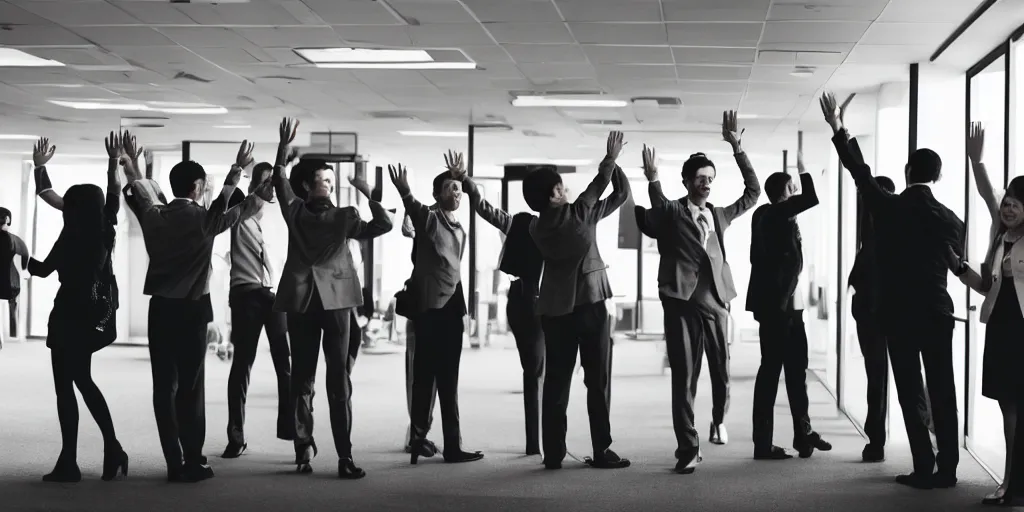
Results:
<point x="179" y="108"/>
<point x="548" y="101"/>
<point x="14" y="136"/>
<point x="419" y="133"/>
<point x="556" y="161"/>
<point x="396" y="65"/>
<point x="803" y="71"/>
<point x="373" y="58"/>
<point x="9" y="57"/>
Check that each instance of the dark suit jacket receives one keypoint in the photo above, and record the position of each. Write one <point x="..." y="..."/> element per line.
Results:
<point x="913" y="232"/>
<point x="318" y="252"/>
<point x="679" y="239"/>
<point x="574" y="272"/>
<point x="11" y="245"/>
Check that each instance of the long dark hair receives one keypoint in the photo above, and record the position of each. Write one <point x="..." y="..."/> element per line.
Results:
<point x="87" y="232"/>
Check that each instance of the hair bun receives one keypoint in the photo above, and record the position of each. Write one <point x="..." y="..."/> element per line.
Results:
<point x="698" y="155"/>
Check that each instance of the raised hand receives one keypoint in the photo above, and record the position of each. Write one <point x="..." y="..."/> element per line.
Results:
<point x="831" y="110"/>
<point x="730" y="130"/>
<point x="265" y="190"/>
<point x="976" y="142"/>
<point x="42" y="152"/>
<point x="358" y="181"/>
<point x="399" y="176"/>
<point x="130" y="152"/>
<point x="244" y="157"/>
<point x="113" y="145"/>
<point x="615" y="145"/>
<point x="800" y="162"/>
<point x="286" y="135"/>
<point x="293" y="156"/>
<point x="454" y="163"/>
<point x="650" y="164"/>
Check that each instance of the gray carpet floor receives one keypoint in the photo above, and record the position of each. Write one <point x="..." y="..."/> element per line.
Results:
<point x="491" y="406"/>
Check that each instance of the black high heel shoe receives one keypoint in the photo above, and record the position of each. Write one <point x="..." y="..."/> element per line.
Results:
<point x="64" y="473"/>
<point x="303" y="459"/>
<point x="422" y="448"/>
<point x="115" y="464"/>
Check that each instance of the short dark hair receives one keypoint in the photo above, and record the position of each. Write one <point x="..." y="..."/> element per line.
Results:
<point x="696" y="162"/>
<point x="439" y="180"/>
<point x="886" y="184"/>
<point x="537" y="187"/>
<point x="1015" y="188"/>
<point x="925" y="166"/>
<point x="775" y="185"/>
<point x="183" y="177"/>
<point x="5" y="216"/>
<point x="260" y="169"/>
<point x="304" y="172"/>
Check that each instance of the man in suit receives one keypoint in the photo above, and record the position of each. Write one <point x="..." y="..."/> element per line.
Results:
<point x="915" y="312"/>
<point x="777" y="302"/>
<point x="252" y="310"/>
<point x="439" y="306"/>
<point x="865" y="281"/>
<point x="319" y="291"/>
<point x="11" y="245"/>
<point x="695" y="285"/>
<point x="571" y="302"/>
<point x="179" y="240"/>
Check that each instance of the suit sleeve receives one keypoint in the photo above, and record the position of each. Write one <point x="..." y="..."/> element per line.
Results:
<point x="649" y="220"/>
<point x="796" y="205"/>
<point x="494" y="216"/>
<point x="751" y="190"/>
<point x="220" y="219"/>
<point x="588" y="198"/>
<point x="416" y="211"/>
<point x="852" y="159"/>
<point x="141" y="196"/>
<point x="620" y="192"/>
<point x="380" y="224"/>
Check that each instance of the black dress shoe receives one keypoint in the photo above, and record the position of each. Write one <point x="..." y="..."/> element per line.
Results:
<point x="552" y="465"/>
<point x="609" y="460"/>
<point x="64" y="473"/>
<point x="873" y="453"/>
<point x="943" y="481"/>
<point x="461" y="456"/>
<point x="916" y="481"/>
<point x="771" y="453"/>
<point x="303" y="459"/>
<point x="190" y="473"/>
<point x="813" y="441"/>
<point x="233" y="451"/>
<point x="688" y="462"/>
<point x="347" y="470"/>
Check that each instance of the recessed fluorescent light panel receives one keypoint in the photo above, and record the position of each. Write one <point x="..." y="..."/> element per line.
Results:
<point x="556" y="161"/>
<point x="372" y="58"/>
<point x="416" y="133"/>
<point x="9" y="57"/>
<point x="554" y="101"/>
<point x="166" y="108"/>
<point x="15" y="136"/>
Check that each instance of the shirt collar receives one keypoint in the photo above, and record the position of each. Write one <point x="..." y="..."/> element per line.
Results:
<point x="925" y="185"/>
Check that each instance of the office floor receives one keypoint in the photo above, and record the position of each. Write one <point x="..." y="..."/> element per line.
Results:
<point x="491" y="409"/>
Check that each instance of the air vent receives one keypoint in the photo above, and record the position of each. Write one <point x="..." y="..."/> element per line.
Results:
<point x="49" y="119"/>
<point x="535" y="133"/>
<point x="492" y="127"/>
<point x="516" y="94"/>
<point x="392" y="115"/>
<point x="600" y="122"/>
<point x="656" y="101"/>
<point x="143" y="122"/>
<point x="281" y="77"/>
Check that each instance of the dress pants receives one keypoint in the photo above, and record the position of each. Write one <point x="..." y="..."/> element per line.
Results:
<point x="252" y="311"/>
<point x="438" y="353"/>
<point x="691" y="328"/>
<point x="929" y="339"/>
<point x="783" y="346"/>
<point x="177" y="352"/>
<point x="307" y="331"/>
<point x="586" y="331"/>
<point x="873" y="347"/>
<point x="529" y="334"/>
<point x="410" y="358"/>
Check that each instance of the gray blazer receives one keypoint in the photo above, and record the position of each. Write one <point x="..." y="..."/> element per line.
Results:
<point x="574" y="272"/>
<point x="437" y="269"/>
<point x="679" y="239"/>
<point x="179" y="237"/>
<point x="318" y="252"/>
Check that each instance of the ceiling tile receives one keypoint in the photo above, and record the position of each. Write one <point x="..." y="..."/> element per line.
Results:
<point x="848" y="10"/>
<point x="801" y="58"/>
<point x="715" y="10"/>
<point x="814" y="31"/>
<point x="449" y="34"/>
<point x="908" y="33"/>
<point x="635" y="72"/>
<point x="374" y="35"/>
<point x="741" y="35"/>
<point x="619" y="33"/>
<point x="713" y="72"/>
<point x="721" y="101"/>
<point x="40" y="35"/>
<point x="855" y="77"/>
<point x="517" y="11"/>
<point x="433" y="11"/>
<point x="154" y="13"/>
<point x="80" y="13"/>
<point x="206" y="37"/>
<point x="712" y="87"/>
<point x="257" y="13"/>
<point x="487" y="54"/>
<point x="546" y="53"/>
<point x="451" y="78"/>
<point x="762" y="73"/>
<point x="502" y="70"/>
<point x="292" y="37"/>
<point x="929" y="11"/>
<point x="557" y="71"/>
<point x="889" y="54"/>
<point x="695" y="55"/>
<point x="123" y="36"/>
<point x="351" y="12"/>
<point x="610" y="54"/>
<point x="14" y="15"/>
<point x="543" y="33"/>
<point x="618" y="11"/>
<point x="226" y="56"/>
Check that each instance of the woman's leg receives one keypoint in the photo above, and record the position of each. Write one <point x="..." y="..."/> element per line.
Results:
<point x="1009" y="409"/>
<point x="67" y="406"/>
<point x="93" y="398"/>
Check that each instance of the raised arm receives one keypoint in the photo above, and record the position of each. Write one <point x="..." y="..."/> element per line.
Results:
<point x="380" y="224"/>
<point x="42" y="152"/>
<point x="219" y="218"/>
<point x="286" y="135"/>
<point x="46" y="267"/>
<point x="807" y="199"/>
<point x="416" y="210"/>
<point x="850" y="155"/>
<point x="620" y="192"/>
<point x="112" y="205"/>
<point x="751" y="187"/>
<point x="408" y="230"/>
<point x="494" y="216"/>
<point x="975" y="150"/>
<point x="595" y="190"/>
<point x="650" y="158"/>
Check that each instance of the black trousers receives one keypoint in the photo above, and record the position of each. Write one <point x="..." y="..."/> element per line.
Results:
<point x="410" y="363"/>
<point x="529" y="334"/>
<point x="308" y="331"/>
<point x="438" y="353"/>
<point x="873" y="346"/>
<point x="586" y="331"/>
<point x="691" y="328"/>
<point x="929" y="340"/>
<point x="177" y="352"/>
<point x="252" y="311"/>
<point x="783" y="346"/>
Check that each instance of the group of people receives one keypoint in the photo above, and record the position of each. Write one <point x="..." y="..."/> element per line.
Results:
<point x="556" y="305"/>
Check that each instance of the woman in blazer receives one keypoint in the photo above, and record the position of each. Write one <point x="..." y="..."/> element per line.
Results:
<point x="83" y="317"/>
<point x="1001" y="280"/>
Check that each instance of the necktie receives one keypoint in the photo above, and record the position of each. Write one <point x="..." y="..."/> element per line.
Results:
<point x="702" y="223"/>
<point x="265" y="270"/>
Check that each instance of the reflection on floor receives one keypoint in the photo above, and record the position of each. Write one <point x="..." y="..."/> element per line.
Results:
<point x="492" y="421"/>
